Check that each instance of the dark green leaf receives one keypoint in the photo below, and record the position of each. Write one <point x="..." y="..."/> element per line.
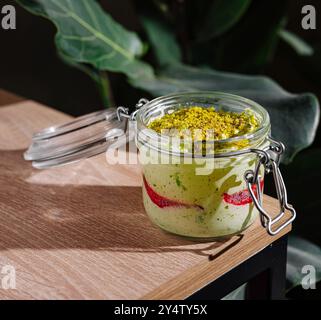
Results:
<point x="294" y="117"/>
<point x="86" y="34"/>
<point x="299" y="45"/>
<point x="162" y="40"/>
<point x="220" y="17"/>
<point x="301" y="253"/>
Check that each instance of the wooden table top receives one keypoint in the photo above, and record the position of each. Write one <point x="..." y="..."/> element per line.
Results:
<point x="80" y="231"/>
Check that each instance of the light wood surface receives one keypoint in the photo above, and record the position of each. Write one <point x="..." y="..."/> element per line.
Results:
<point x="80" y="231"/>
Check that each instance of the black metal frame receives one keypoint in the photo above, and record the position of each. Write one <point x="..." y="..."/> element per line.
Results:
<point x="264" y="273"/>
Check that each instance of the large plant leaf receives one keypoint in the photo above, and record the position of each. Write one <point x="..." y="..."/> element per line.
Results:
<point x="220" y="17"/>
<point x="162" y="39"/>
<point x="301" y="253"/>
<point x="294" y="117"/>
<point x="301" y="47"/>
<point x="86" y="34"/>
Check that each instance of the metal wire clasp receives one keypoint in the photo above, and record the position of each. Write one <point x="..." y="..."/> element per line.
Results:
<point x="270" y="159"/>
<point x="123" y="112"/>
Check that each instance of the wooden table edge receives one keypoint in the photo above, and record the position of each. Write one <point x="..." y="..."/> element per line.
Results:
<point x="197" y="277"/>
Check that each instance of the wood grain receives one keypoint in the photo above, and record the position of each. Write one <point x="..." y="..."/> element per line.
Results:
<point x="80" y="231"/>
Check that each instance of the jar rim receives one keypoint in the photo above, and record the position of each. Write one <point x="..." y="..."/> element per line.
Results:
<point x="257" y="135"/>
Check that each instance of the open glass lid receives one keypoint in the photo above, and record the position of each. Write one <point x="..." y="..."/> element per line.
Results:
<point x="78" y="139"/>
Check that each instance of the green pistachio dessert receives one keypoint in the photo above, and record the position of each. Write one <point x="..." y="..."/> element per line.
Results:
<point x="179" y="199"/>
<point x="199" y="121"/>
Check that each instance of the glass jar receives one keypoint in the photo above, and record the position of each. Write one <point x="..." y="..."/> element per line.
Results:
<point x="197" y="196"/>
<point x="185" y="192"/>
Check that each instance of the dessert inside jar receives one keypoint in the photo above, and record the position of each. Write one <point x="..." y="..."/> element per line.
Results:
<point x="193" y="150"/>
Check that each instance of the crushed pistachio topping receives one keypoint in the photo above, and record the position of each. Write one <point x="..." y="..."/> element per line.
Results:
<point x="205" y="123"/>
